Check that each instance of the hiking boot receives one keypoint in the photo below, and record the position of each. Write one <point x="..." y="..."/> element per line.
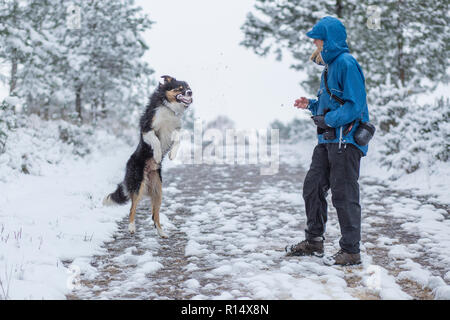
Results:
<point x="343" y="258"/>
<point x="306" y="248"/>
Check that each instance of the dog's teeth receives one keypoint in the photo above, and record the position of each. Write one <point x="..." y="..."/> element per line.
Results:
<point x="132" y="227"/>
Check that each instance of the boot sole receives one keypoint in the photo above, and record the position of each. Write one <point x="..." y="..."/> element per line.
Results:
<point x="314" y="254"/>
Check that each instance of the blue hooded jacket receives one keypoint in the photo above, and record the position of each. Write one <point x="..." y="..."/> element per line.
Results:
<point x="345" y="80"/>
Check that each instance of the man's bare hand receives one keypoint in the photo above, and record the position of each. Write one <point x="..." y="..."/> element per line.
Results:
<point x="301" y="103"/>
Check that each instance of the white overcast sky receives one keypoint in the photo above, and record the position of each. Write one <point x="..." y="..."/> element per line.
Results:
<point x="198" y="41"/>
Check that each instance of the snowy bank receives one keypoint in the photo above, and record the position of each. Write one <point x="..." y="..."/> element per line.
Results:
<point x="51" y="219"/>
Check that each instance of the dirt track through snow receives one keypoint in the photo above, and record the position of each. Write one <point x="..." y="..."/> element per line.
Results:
<point x="228" y="227"/>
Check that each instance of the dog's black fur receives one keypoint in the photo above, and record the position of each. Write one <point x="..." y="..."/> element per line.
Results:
<point x="165" y="108"/>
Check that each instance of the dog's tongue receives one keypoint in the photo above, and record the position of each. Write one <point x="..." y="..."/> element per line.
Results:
<point x="184" y="99"/>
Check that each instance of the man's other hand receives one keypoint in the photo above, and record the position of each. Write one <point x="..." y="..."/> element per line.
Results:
<point x="320" y="122"/>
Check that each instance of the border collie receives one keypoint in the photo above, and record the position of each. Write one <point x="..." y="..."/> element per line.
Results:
<point x="160" y="125"/>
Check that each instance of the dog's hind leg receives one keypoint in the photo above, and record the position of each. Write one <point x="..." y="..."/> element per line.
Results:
<point x="132" y="225"/>
<point x="155" y="190"/>
<point x="135" y="197"/>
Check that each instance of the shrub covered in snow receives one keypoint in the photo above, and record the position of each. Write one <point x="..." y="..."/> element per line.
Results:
<point x="31" y="144"/>
<point x="75" y="136"/>
<point x="410" y="136"/>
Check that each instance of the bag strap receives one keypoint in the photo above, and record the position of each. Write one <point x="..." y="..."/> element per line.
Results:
<point x="325" y="76"/>
<point x="339" y="100"/>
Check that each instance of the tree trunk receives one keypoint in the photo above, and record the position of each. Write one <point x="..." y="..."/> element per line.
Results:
<point x="103" y="106"/>
<point x="14" y="61"/>
<point x="400" y="64"/>
<point x="78" y="102"/>
<point x="13" y="80"/>
<point x="339" y="8"/>
<point x="94" y="110"/>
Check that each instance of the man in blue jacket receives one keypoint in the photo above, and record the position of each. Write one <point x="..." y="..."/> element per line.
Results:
<point x="336" y="159"/>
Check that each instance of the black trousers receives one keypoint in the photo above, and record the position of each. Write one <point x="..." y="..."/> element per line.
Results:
<point x="338" y="171"/>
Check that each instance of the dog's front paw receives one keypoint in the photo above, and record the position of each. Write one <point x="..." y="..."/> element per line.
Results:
<point x="172" y="154"/>
<point x="132" y="227"/>
<point x="157" y="156"/>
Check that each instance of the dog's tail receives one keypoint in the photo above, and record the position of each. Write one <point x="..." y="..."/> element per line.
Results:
<point x="120" y="196"/>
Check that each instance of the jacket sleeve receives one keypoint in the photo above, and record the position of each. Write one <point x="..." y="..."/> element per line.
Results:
<point x="312" y="106"/>
<point x="354" y="95"/>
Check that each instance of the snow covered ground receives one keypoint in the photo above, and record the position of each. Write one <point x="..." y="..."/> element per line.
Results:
<point x="54" y="214"/>
<point x="228" y="227"/>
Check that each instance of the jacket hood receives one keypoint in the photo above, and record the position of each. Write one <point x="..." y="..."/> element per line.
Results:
<point x="334" y="37"/>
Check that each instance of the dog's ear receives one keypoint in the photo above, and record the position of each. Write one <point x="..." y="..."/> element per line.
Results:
<point x="166" y="80"/>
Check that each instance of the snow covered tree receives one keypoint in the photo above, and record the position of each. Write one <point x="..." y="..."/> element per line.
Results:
<point x="13" y="45"/>
<point x="8" y="121"/>
<point x="298" y="129"/>
<point x="278" y="26"/>
<point x="419" y="139"/>
<point x="106" y="71"/>
<point x="59" y="70"/>
<point x="40" y="77"/>
<point x="283" y="129"/>
<point x="221" y="123"/>
<point x="302" y="129"/>
<point x="189" y="119"/>
<point x="410" y="41"/>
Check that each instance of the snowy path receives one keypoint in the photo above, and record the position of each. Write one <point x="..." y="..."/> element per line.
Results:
<point x="228" y="228"/>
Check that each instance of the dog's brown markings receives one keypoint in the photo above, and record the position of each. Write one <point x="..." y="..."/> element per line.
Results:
<point x="171" y="96"/>
<point x="135" y="198"/>
<point x="150" y="165"/>
<point x="153" y="185"/>
<point x="156" y="196"/>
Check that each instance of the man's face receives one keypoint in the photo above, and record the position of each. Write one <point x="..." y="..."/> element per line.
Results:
<point x="318" y="43"/>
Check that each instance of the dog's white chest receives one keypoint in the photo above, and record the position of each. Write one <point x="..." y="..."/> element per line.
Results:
<point x="165" y="123"/>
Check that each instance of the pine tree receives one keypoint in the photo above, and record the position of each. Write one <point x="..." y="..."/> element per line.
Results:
<point x="298" y="129"/>
<point x="40" y="78"/>
<point x="221" y="122"/>
<point x="278" y="26"/>
<point x="411" y="43"/>
<point x="8" y="121"/>
<point x="106" y="70"/>
<point x="60" y="71"/>
<point x="13" y="45"/>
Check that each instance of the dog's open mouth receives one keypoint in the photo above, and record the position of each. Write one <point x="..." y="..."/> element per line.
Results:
<point x="185" y="100"/>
